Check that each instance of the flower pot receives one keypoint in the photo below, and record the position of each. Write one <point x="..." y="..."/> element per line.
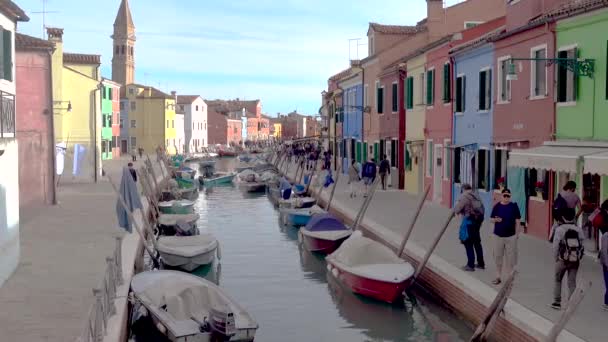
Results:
<point x="539" y="194"/>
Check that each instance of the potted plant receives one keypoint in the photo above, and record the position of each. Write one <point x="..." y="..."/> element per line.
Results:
<point x="539" y="189"/>
<point x="501" y="183"/>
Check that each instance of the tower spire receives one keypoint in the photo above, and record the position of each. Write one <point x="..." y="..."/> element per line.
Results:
<point x="123" y="60"/>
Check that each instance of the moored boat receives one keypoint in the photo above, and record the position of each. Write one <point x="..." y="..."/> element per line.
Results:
<point x="370" y="269"/>
<point x="182" y="224"/>
<point x="184" y="307"/>
<point x="176" y="207"/>
<point x="324" y="233"/>
<point x="298" y="202"/>
<point x="187" y="252"/>
<point x="217" y="179"/>
<point x="299" y="217"/>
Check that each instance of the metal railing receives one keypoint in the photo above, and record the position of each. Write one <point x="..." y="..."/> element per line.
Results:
<point x="7" y="115"/>
<point x="103" y="308"/>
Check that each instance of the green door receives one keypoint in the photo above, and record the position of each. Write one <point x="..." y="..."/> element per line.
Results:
<point x="365" y="151"/>
<point x="358" y="151"/>
<point x="376" y="151"/>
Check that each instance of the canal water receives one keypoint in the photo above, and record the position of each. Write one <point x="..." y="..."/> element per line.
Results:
<point x="287" y="289"/>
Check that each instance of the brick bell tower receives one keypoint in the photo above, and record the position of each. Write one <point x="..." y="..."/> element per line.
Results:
<point x="123" y="58"/>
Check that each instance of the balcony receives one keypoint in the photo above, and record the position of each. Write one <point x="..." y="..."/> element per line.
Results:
<point x="7" y="115"/>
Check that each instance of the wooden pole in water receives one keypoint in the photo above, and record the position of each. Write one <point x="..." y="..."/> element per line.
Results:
<point x="366" y="202"/>
<point x="133" y="221"/>
<point x="333" y="190"/>
<point x="409" y="230"/>
<point x="145" y="182"/>
<point x="312" y="174"/>
<point x="487" y="324"/>
<point x="429" y="251"/>
<point x="573" y="303"/>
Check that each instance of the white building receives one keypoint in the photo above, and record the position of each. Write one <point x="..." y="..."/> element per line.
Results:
<point x="180" y="136"/>
<point x="10" y="14"/>
<point x="194" y="109"/>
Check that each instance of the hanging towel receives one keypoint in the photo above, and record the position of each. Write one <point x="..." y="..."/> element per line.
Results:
<point x="79" y="155"/>
<point x="60" y="157"/>
<point x="128" y="191"/>
<point x="516" y="182"/>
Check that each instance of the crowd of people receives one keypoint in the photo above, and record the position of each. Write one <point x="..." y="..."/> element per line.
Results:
<point x="566" y="236"/>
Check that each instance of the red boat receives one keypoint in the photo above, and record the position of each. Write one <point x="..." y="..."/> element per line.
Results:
<point x="324" y="233"/>
<point x="370" y="269"/>
<point x="226" y="153"/>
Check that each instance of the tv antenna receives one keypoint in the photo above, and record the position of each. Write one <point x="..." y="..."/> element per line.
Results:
<point x="44" y="12"/>
<point x="357" y="44"/>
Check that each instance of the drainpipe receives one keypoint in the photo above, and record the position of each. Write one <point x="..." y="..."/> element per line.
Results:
<point x="52" y="131"/>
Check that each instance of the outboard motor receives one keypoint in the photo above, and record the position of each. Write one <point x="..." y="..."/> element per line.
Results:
<point x="222" y="323"/>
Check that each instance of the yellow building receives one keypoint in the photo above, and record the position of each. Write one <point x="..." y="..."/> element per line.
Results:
<point x="277" y="134"/>
<point x="150" y="118"/>
<point x="77" y="110"/>
<point x="416" y="108"/>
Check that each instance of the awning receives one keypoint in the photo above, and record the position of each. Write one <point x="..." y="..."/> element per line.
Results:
<point x="597" y="164"/>
<point x="551" y="157"/>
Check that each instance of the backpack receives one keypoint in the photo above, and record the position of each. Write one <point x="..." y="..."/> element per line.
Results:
<point x="369" y="169"/>
<point x="478" y="210"/>
<point x="571" y="247"/>
<point x="558" y="205"/>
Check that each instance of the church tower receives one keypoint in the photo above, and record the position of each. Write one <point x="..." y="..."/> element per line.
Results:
<point x="123" y="60"/>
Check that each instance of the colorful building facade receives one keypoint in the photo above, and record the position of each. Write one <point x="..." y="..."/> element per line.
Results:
<point x="110" y="119"/>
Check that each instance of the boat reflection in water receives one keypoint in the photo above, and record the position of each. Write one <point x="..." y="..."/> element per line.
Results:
<point x="377" y="320"/>
<point x="210" y="272"/>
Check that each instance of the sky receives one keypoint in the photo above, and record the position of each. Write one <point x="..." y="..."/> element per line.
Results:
<point x="279" y="51"/>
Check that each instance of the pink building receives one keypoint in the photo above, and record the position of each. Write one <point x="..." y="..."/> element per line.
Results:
<point x="234" y="132"/>
<point x="525" y="116"/>
<point x="34" y="120"/>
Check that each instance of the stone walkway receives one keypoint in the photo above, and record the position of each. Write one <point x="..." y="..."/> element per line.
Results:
<point x="391" y="212"/>
<point x="63" y="251"/>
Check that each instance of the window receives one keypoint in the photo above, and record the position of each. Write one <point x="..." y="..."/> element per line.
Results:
<point x="181" y="108"/>
<point x="205" y="124"/>
<point x="395" y="98"/>
<point x="172" y="123"/>
<point x="429" y="158"/>
<point x="408" y="157"/>
<point x="110" y="93"/>
<point x="104" y="120"/>
<point x="122" y="50"/>
<point x="538" y="72"/>
<point x="430" y="87"/>
<point x="394" y="152"/>
<point x="365" y="96"/>
<point x="483" y="167"/>
<point x="110" y="120"/>
<point x="104" y="147"/>
<point x="566" y="79"/>
<point x="167" y="124"/>
<point x="133" y="105"/>
<point x="133" y="142"/>
<point x="133" y="124"/>
<point x="117" y="50"/>
<point x="6" y="55"/>
<point x="121" y="122"/>
<point x="410" y="93"/>
<point x="371" y="46"/>
<point x="446" y="159"/>
<point x="471" y="24"/>
<point x="196" y="108"/>
<point x="447" y="83"/>
<point x="504" y="85"/>
<point x="461" y="83"/>
<point x="379" y="98"/>
<point x="485" y="90"/>
<point x="131" y="91"/>
<point x="122" y="105"/>
<point x="456" y="165"/>
<point x="132" y="51"/>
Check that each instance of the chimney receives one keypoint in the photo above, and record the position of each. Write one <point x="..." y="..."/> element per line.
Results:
<point x="436" y="17"/>
<point x="55" y="35"/>
<point x="149" y="92"/>
<point x="174" y="94"/>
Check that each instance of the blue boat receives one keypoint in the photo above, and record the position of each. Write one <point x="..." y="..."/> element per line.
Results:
<point x="299" y="217"/>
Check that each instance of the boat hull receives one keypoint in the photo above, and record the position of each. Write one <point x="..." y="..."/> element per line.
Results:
<point x="379" y="290"/>
<point x="182" y="209"/>
<point x="187" y="264"/>
<point x="298" y="219"/>
<point x="320" y="245"/>
<point x="217" y="180"/>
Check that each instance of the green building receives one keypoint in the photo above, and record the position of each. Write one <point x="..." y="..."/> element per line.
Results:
<point x="107" y="113"/>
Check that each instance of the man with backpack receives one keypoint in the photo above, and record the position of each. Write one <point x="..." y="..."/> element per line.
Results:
<point x="472" y="210"/>
<point x="369" y="174"/>
<point x="568" y="252"/>
<point x="567" y="198"/>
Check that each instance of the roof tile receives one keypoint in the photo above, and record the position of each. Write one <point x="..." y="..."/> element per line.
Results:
<point x="79" y="58"/>
<point x="395" y="29"/>
<point x="26" y="42"/>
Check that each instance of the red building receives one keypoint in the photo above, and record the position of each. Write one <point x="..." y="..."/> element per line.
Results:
<point x="218" y="113"/>
<point x="234" y="131"/>
<point x="34" y="120"/>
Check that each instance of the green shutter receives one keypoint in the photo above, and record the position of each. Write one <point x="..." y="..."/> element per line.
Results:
<point x="482" y="90"/>
<point x="410" y="92"/>
<point x="7" y="40"/>
<point x="358" y="151"/>
<point x="431" y="160"/>
<point x="408" y="159"/>
<point x="365" y="151"/>
<point x="446" y="83"/>
<point x="376" y="151"/>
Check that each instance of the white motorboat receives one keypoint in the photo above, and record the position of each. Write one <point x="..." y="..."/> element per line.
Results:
<point x="184" y="307"/>
<point x="188" y="252"/>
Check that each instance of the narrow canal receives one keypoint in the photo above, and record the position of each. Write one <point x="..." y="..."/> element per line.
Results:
<point x="287" y="289"/>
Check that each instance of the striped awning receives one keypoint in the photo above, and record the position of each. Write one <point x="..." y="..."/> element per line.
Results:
<point x="552" y="157"/>
<point x="597" y="164"/>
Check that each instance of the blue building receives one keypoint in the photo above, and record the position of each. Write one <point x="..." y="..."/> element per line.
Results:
<point x="352" y="130"/>
<point x="473" y="151"/>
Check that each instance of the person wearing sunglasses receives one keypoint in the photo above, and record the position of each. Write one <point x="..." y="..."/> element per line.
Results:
<point x="506" y="217"/>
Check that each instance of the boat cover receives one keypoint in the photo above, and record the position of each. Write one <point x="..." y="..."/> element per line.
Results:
<point x="184" y="296"/>
<point x="187" y="246"/>
<point x="324" y="222"/>
<point x="173" y="219"/>
<point x="180" y="203"/>
<point x="358" y="250"/>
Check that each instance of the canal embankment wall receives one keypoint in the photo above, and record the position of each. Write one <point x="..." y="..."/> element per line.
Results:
<point x="386" y="220"/>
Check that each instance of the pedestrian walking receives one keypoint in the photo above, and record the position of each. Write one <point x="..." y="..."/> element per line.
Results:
<point x="472" y="210"/>
<point x="134" y="154"/>
<point x="506" y="218"/>
<point x="132" y="171"/>
<point x="369" y="174"/>
<point x="600" y="222"/>
<point x="385" y="168"/>
<point x="568" y="252"/>
<point x="567" y="198"/>
<point x="353" y="178"/>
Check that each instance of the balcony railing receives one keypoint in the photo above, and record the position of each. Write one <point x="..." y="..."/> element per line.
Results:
<point x="7" y="115"/>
